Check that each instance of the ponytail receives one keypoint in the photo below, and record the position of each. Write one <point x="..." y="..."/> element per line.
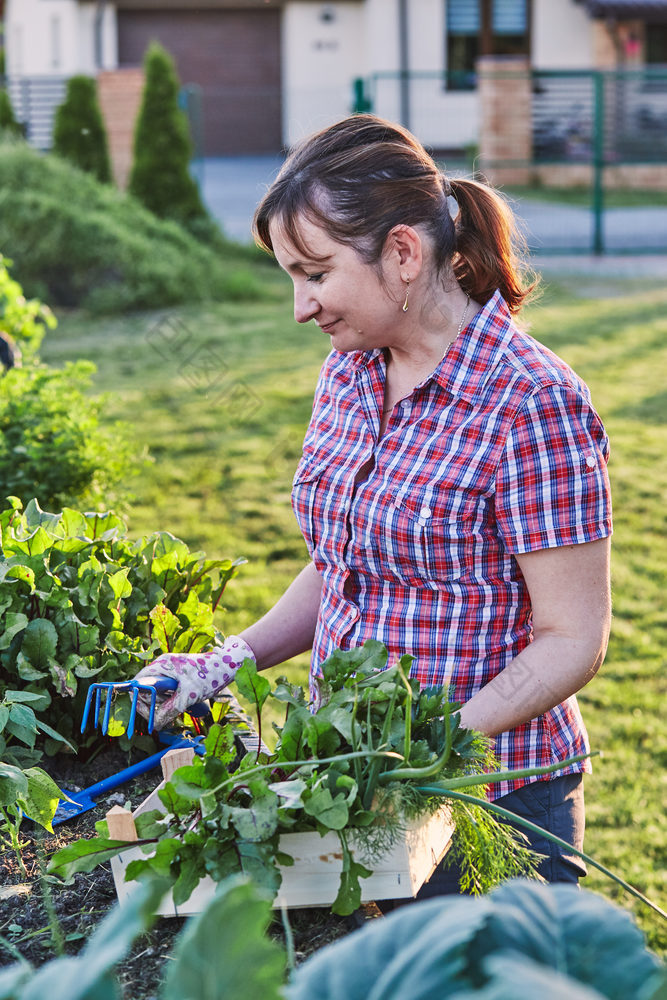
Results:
<point x="359" y="178"/>
<point x="490" y="250"/>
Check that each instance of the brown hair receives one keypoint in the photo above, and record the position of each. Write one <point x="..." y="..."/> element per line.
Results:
<point x="362" y="176"/>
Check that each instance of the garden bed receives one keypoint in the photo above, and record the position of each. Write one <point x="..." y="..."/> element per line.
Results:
<point x="78" y="908"/>
<point x="313" y="878"/>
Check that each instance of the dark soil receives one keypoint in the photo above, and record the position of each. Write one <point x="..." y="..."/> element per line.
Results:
<point x="76" y="909"/>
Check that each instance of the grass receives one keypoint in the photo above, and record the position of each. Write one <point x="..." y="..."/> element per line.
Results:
<point x="221" y="396"/>
<point x="583" y="196"/>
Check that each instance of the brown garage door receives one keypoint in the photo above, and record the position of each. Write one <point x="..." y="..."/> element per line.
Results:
<point x="233" y="55"/>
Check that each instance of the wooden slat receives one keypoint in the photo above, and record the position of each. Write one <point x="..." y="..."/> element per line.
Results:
<point x="121" y="824"/>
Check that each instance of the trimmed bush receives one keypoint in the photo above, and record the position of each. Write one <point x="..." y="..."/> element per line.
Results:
<point x="79" y="134"/>
<point x="77" y="242"/>
<point x="160" y="176"/>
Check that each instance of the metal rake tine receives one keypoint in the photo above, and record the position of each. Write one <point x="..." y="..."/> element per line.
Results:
<point x="151" y="713"/>
<point x="86" y="708"/>
<point x="133" y="713"/>
<point x="98" y="703"/>
<point x="107" y="713"/>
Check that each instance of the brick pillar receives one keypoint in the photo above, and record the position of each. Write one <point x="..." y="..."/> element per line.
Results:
<point x="120" y="92"/>
<point x="506" y="138"/>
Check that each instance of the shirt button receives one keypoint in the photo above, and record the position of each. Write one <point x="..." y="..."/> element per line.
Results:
<point x="590" y="462"/>
<point x="425" y="512"/>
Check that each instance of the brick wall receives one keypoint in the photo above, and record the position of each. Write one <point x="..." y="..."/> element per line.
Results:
<point x="505" y="151"/>
<point x="630" y="176"/>
<point x="120" y="94"/>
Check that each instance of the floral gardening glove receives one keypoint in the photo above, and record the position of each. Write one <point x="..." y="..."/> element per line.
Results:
<point x="199" y="676"/>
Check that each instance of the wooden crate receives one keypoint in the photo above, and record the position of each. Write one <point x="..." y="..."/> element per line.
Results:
<point x="314" y="878"/>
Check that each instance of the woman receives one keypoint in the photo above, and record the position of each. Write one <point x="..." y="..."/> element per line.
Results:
<point x="452" y="490"/>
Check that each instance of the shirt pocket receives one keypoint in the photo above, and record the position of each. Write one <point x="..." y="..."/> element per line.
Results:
<point x="305" y="501"/>
<point x="431" y="533"/>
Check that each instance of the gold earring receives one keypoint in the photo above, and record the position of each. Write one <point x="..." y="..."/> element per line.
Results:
<point x="407" y="292"/>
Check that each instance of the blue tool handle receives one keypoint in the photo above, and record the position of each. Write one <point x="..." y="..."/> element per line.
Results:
<point x="161" y="683"/>
<point x="108" y="784"/>
<point x="114" y="780"/>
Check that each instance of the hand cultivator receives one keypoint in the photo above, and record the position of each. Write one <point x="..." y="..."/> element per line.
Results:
<point x="100" y="699"/>
<point x="148" y="685"/>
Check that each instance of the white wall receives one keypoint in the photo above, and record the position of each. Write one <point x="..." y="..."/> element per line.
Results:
<point x="55" y="37"/>
<point x="86" y="43"/>
<point x="562" y="35"/>
<point x="319" y="59"/>
<point x="442" y="119"/>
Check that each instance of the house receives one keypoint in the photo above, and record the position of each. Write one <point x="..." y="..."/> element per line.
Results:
<point x="267" y="72"/>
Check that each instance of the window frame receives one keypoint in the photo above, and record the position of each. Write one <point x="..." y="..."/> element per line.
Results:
<point x="486" y="44"/>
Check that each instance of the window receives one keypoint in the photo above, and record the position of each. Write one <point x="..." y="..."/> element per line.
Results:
<point x="655" y="57"/>
<point x="483" y="27"/>
<point x="656" y="44"/>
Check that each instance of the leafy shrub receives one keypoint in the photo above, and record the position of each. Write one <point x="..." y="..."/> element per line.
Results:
<point x="80" y="601"/>
<point x="77" y="242"/>
<point x="52" y="446"/>
<point x="520" y="942"/>
<point x="79" y="134"/>
<point x="23" y="321"/>
<point x="160" y="176"/>
<point x="8" y="122"/>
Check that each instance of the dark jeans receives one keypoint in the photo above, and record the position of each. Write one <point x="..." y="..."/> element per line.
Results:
<point x="557" y="806"/>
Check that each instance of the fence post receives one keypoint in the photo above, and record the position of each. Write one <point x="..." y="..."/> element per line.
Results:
<point x="190" y="101"/>
<point x="360" y="101"/>
<point x="598" y="162"/>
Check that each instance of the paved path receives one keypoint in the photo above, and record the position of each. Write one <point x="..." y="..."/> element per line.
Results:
<point x="232" y="187"/>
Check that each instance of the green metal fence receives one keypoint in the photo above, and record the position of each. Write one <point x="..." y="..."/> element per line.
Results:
<point x="597" y="178"/>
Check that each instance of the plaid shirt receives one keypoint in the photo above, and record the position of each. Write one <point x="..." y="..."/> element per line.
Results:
<point x="497" y="452"/>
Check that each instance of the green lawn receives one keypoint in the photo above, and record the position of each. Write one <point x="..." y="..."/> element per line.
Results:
<point x="583" y="196"/>
<point x="221" y="395"/>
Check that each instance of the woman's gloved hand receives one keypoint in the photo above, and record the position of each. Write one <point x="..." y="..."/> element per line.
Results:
<point x="199" y="676"/>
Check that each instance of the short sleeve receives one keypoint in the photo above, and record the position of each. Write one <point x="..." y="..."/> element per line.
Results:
<point x="552" y="486"/>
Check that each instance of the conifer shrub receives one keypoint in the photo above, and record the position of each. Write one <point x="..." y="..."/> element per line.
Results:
<point x="8" y="122"/>
<point x="77" y="242"/>
<point x="160" y="176"/>
<point x="79" y="134"/>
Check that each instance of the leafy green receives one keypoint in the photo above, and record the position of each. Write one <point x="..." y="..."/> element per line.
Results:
<point x="84" y="856"/>
<point x="88" y="976"/>
<point x="80" y="600"/>
<point x="227" y="944"/>
<point x="31" y="793"/>
<point x="354" y="767"/>
<point x="520" y="941"/>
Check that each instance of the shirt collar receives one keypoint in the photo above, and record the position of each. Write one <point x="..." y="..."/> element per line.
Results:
<point x="470" y="360"/>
